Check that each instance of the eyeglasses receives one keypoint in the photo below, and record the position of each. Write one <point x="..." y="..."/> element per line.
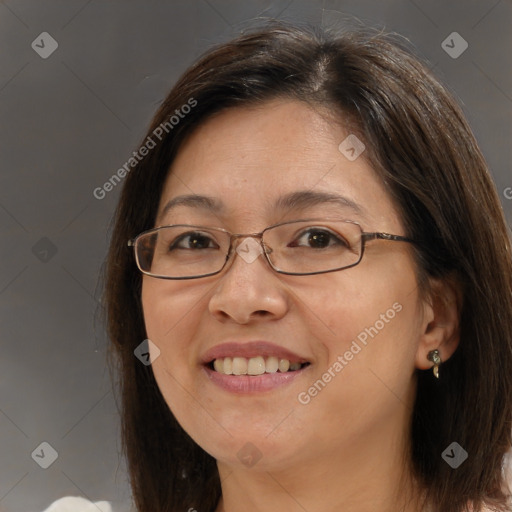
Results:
<point x="299" y="247"/>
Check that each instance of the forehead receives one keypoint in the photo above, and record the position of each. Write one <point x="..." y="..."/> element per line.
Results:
<point x="253" y="161"/>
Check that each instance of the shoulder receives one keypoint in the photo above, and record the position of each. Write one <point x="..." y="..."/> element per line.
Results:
<point x="78" y="504"/>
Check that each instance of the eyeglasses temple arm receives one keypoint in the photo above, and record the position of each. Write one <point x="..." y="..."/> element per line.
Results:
<point x="386" y="236"/>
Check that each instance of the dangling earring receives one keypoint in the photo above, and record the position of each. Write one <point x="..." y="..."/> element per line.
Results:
<point x="434" y="356"/>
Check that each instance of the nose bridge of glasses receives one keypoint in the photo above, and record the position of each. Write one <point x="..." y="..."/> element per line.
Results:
<point x="249" y="246"/>
<point x="246" y="242"/>
<point x="238" y="238"/>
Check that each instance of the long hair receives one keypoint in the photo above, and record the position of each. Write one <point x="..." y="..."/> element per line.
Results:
<point x="420" y="144"/>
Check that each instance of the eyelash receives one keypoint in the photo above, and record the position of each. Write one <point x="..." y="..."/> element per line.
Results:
<point x="338" y="240"/>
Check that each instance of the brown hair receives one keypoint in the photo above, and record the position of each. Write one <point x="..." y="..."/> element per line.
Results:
<point x="420" y="144"/>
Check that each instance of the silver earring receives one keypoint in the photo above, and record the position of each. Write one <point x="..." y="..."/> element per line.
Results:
<point x="434" y="356"/>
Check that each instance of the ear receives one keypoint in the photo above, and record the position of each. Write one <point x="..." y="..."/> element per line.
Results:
<point x="440" y="321"/>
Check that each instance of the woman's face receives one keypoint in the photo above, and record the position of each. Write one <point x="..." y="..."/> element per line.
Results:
<point x="358" y="328"/>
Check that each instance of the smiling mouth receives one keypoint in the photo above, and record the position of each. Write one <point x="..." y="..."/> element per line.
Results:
<point x="254" y="366"/>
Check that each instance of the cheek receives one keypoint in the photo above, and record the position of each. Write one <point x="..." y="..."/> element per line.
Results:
<point x="366" y="377"/>
<point x="168" y="309"/>
<point x="359" y="305"/>
<point x="170" y="317"/>
<point x="370" y="320"/>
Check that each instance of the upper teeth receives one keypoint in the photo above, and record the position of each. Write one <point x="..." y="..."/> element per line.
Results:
<point x="253" y="366"/>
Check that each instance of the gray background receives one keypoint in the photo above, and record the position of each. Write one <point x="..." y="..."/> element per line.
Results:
<point x="70" y="121"/>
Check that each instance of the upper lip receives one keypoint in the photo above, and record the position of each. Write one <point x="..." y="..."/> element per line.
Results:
<point x="250" y="349"/>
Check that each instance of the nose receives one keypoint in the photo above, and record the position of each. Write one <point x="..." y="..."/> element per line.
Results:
<point x="248" y="289"/>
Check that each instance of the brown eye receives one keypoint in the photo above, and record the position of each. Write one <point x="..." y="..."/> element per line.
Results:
<point x="318" y="239"/>
<point x="193" y="241"/>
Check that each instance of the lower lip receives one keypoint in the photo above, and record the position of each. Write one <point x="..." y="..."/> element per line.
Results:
<point x="247" y="384"/>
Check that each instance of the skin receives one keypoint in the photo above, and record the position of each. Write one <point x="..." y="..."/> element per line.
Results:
<point x="346" y="449"/>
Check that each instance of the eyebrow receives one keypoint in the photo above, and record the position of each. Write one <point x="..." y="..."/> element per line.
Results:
<point x="193" y="201"/>
<point x="303" y="199"/>
<point x="298" y="200"/>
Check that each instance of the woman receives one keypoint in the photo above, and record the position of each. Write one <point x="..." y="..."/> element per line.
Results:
<point x="350" y="348"/>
